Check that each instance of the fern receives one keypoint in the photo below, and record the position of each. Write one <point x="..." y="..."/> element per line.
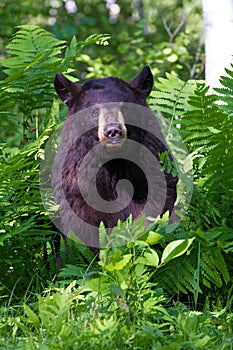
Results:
<point x="178" y="276"/>
<point x="27" y="100"/>
<point x="205" y="126"/>
<point x="219" y="165"/>
<point x="34" y="61"/>
<point x="99" y="39"/>
<point x="71" y="271"/>
<point x="226" y="92"/>
<point x="213" y="268"/>
<point x="35" y="57"/>
<point x="78" y="250"/>
<point x="171" y="96"/>
<point x="75" y="47"/>
<point x="202" y="120"/>
<point x="207" y="129"/>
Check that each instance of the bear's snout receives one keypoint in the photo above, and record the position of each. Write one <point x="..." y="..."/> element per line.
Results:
<point x="111" y="126"/>
<point x="113" y="131"/>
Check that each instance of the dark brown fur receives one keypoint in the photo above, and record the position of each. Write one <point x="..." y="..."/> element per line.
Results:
<point x="96" y="92"/>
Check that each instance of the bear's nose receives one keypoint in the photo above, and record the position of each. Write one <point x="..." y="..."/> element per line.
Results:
<point x="113" y="131"/>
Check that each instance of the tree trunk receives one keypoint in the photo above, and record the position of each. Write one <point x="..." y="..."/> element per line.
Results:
<point x="218" y="23"/>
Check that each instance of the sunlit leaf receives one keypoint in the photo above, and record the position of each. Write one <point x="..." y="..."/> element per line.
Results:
<point x="175" y="249"/>
<point x="151" y="258"/>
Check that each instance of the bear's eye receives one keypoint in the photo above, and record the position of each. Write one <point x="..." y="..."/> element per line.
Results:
<point x="95" y="112"/>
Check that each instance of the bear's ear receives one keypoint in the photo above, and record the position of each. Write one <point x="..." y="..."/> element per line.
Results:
<point x="65" y="88"/>
<point x="143" y="81"/>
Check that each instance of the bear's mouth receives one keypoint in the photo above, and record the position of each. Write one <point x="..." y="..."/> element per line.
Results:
<point x="114" y="144"/>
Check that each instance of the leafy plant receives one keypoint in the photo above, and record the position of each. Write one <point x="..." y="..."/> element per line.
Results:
<point x="119" y="305"/>
<point x="27" y="236"/>
<point x="35" y="58"/>
<point x="205" y="126"/>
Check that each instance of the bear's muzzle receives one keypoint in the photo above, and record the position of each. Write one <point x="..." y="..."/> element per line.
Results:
<point x="111" y="126"/>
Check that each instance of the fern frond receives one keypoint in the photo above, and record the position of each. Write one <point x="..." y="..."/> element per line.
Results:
<point x="31" y="68"/>
<point x="208" y="127"/>
<point x="35" y="57"/>
<point x="221" y="264"/>
<point x="223" y="235"/>
<point x="99" y="39"/>
<point x="203" y="121"/>
<point x="171" y="96"/>
<point x="77" y="247"/>
<point x="226" y="92"/>
<point x="178" y="276"/>
<point x="228" y="247"/>
<point x="219" y="163"/>
<point x="71" y="271"/>
<point x="204" y="124"/>
<point x="218" y="168"/>
<point x="28" y="44"/>
<point x="209" y="269"/>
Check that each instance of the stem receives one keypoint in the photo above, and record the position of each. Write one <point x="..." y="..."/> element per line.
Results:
<point x="197" y="276"/>
<point x="37" y="125"/>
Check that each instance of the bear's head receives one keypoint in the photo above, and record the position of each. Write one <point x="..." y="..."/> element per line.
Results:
<point x="100" y="92"/>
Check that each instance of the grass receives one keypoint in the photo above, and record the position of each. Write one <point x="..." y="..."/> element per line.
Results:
<point x="114" y="303"/>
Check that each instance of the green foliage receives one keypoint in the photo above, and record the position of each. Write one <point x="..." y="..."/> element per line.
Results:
<point x="120" y="306"/>
<point x="135" y="264"/>
<point x="143" y="51"/>
<point x="206" y="127"/>
<point x="78" y="254"/>
<point x="25" y="227"/>
<point x="210" y="127"/>
<point x="30" y="69"/>
<point x="165" y="34"/>
<point x="226" y="91"/>
<point x="35" y="58"/>
<point x="179" y="277"/>
<point x="171" y="96"/>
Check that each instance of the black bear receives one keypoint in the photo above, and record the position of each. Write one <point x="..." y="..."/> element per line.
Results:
<point x="109" y="161"/>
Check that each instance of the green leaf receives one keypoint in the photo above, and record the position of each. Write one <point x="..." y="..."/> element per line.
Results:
<point x="119" y="265"/>
<point x="71" y="271"/>
<point x="99" y="284"/>
<point x="153" y="237"/>
<point x="149" y="304"/>
<point x="151" y="258"/>
<point x="202" y="342"/>
<point x="175" y="249"/>
<point x="115" y="289"/>
<point x="172" y="58"/>
<point x="102" y="235"/>
<point x="31" y="315"/>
